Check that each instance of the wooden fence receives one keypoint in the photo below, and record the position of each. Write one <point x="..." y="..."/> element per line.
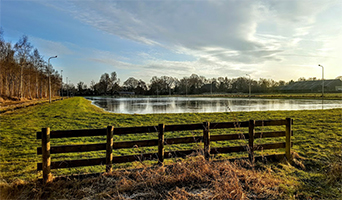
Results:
<point x="110" y="145"/>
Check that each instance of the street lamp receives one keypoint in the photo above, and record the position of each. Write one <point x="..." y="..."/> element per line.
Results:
<point x="62" y="82"/>
<point x="322" y="83"/>
<point x="50" y="78"/>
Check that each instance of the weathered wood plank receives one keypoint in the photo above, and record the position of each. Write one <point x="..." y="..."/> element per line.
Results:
<point x="116" y="159"/>
<point x="161" y="128"/>
<point x="244" y="148"/>
<point x="130" y="130"/>
<point x="74" y="148"/>
<point x="109" y="149"/>
<point x="154" y="142"/>
<point x="132" y="144"/>
<point x="151" y="129"/>
<point x="75" y="133"/>
<point x="183" y="127"/>
<point x="280" y="145"/>
<point x="221" y="125"/>
<point x="75" y="163"/>
<point x="206" y="139"/>
<point x="270" y="122"/>
<point x="100" y="161"/>
<point x="118" y="145"/>
<point x="46" y="159"/>
<point x="183" y="140"/>
<point x="251" y="132"/>
<point x="246" y="136"/>
<point x="228" y="137"/>
<point x="288" y="128"/>
<point x="269" y="134"/>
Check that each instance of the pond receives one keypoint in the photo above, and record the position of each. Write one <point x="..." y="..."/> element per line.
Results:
<point x="206" y="104"/>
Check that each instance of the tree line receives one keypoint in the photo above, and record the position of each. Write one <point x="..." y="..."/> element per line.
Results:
<point x="109" y="84"/>
<point x="24" y="73"/>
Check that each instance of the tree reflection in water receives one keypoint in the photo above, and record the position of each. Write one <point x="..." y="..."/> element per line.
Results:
<point x="205" y="104"/>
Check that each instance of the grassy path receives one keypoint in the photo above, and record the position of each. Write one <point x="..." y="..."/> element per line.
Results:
<point x="317" y="138"/>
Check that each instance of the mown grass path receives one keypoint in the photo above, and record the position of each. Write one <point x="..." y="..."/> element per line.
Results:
<point x="317" y="138"/>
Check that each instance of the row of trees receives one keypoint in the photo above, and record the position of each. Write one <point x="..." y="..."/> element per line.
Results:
<point x="23" y="71"/>
<point x="167" y="85"/>
<point x="24" y="74"/>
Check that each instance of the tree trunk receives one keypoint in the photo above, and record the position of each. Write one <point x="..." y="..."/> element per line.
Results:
<point x="21" y="83"/>
<point x="37" y="91"/>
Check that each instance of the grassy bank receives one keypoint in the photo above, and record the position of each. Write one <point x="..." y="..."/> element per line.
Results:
<point x="317" y="139"/>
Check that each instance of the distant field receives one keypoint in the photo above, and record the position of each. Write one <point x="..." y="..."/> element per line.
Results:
<point x="317" y="139"/>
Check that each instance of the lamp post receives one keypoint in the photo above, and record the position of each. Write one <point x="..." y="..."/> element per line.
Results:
<point x="322" y="83"/>
<point x="50" y="77"/>
<point x="62" y="82"/>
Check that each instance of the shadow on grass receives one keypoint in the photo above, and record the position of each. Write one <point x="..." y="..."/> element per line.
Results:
<point x="320" y="180"/>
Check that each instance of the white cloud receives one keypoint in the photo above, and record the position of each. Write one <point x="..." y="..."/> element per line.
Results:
<point x="225" y="37"/>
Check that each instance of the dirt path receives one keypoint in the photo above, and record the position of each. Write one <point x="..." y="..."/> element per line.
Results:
<point x="11" y="105"/>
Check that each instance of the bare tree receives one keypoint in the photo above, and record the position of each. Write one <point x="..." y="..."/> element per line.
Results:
<point x="23" y="48"/>
<point x="22" y="72"/>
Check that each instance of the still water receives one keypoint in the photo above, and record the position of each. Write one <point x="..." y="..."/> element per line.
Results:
<point x="205" y="104"/>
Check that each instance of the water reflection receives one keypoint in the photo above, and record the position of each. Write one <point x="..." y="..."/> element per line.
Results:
<point x="194" y="105"/>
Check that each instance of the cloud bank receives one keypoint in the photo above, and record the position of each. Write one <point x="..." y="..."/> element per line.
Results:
<point x="225" y="38"/>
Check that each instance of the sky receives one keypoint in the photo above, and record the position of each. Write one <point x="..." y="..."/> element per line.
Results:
<point x="279" y="40"/>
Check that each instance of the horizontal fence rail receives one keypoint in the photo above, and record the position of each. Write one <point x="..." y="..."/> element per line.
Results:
<point x="45" y="150"/>
<point x="154" y="129"/>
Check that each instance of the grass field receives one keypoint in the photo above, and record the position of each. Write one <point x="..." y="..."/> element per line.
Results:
<point x="317" y="140"/>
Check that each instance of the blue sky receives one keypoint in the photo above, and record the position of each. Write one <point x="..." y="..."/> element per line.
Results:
<point x="282" y="40"/>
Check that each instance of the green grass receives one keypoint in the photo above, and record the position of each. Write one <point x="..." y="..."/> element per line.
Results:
<point x="317" y="139"/>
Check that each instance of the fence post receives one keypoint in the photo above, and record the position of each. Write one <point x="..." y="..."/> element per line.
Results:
<point x="161" y="128"/>
<point x="251" y="140"/>
<point x="109" y="149"/>
<point x="206" y="140"/>
<point x="47" y="176"/>
<point x="288" y="138"/>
